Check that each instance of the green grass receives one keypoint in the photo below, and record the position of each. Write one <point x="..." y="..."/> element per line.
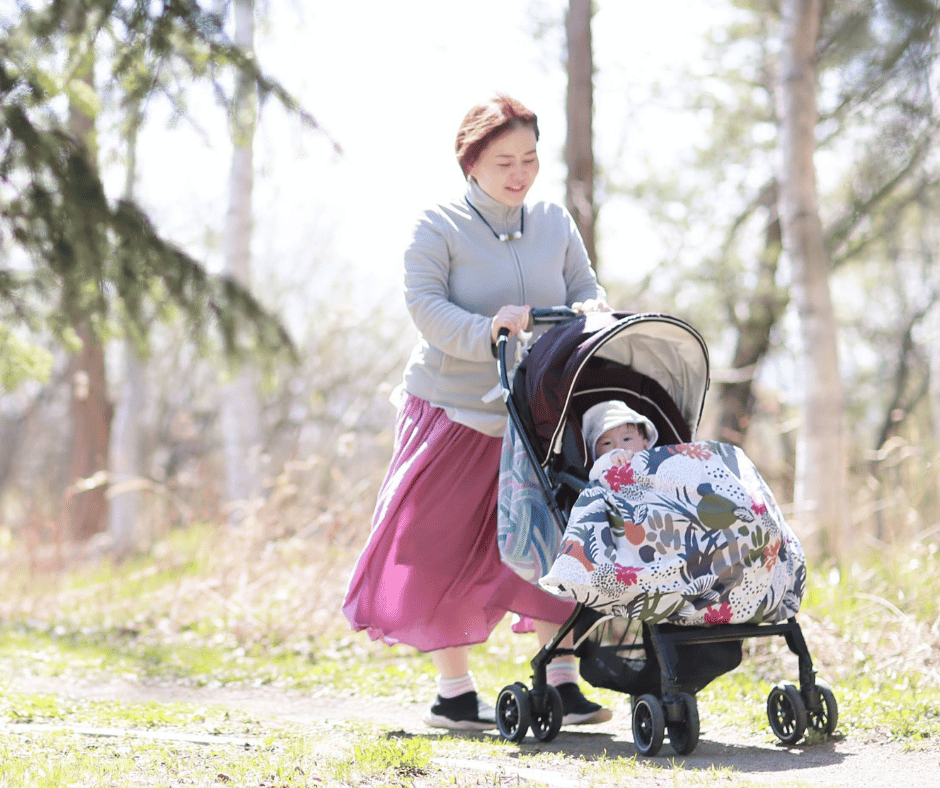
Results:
<point x="63" y="759"/>
<point x="195" y="614"/>
<point x="18" y="707"/>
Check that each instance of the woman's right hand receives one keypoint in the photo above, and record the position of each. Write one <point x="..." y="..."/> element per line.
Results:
<point x="514" y="318"/>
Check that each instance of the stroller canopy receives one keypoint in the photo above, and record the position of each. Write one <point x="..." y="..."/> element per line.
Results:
<point x="658" y="364"/>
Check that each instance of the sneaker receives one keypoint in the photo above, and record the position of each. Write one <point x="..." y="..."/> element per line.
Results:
<point x="578" y="710"/>
<point x="466" y="712"/>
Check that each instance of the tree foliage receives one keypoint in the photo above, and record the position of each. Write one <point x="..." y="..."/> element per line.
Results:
<point x="68" y="252"/>
<point x="879" y="181"/>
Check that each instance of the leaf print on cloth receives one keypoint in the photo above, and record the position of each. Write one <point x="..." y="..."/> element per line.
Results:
<point x="770" y="555"/>
<point x="576" y="550"/>
<point x="592" y="545"/>
<point x="627" y="574"/>
<point x="722" y="615"/>
<point x="619" y="476"/>
<point x="657" y="555"/>
<point x="703" y="587"/>
<point x="697" y="451"/>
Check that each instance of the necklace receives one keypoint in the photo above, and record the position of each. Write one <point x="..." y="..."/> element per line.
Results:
<point x="513" y="236"/>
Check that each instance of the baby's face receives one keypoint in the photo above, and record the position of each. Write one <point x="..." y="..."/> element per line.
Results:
<point x="623" y="436"/>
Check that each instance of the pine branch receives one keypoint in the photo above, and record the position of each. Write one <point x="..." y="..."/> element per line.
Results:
<point x="91" y="254"/>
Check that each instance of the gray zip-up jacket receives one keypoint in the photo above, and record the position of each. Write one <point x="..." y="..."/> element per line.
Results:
<point x="457" y="276"/>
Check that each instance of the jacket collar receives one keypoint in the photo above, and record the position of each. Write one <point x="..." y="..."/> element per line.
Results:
<point x="502" y="218"/>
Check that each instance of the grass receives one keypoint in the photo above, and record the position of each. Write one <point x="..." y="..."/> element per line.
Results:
<point x="65" y="759"/>
<point x="206" y="609"/>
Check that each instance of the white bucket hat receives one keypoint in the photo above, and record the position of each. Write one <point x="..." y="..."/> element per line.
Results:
<point x="607" y="415"/>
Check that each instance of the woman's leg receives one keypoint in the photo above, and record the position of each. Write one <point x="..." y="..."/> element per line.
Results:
<point x="457" y="705"/>
<point x="545" y="631"/>
<point x="453" y="662"/>
<point x="562" y="673"/>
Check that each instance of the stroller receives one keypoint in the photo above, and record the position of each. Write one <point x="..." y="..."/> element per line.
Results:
<point x="658" y="365"/>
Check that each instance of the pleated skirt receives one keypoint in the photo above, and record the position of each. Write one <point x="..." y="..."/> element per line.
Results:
<point x="430" y="575"/>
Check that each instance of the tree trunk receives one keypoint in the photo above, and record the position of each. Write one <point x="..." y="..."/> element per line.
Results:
<point x="934" y="393"/>
<point x="126" y="451"/>
<point x="821" y="488"/>
<point x="240" y="409"/>
<point x="86" y="502"/>
<point x="579" y="150"/>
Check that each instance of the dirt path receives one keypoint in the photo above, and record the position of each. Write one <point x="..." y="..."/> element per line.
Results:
<point x="840" y="762"/>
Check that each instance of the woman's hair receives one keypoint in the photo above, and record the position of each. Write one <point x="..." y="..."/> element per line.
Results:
<point x="487" y="121"/>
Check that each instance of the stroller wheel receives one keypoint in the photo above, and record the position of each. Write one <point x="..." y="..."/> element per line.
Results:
<point x="513" y="712"/>
<point x="787" y="713"/>
<point x="683" y="735"/>
<point x="547" y="714"/>
<point x="824" y="718"/>
<point x="649" y="725"/>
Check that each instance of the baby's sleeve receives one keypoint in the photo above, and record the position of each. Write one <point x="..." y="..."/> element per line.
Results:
<point x="600" y="466"/>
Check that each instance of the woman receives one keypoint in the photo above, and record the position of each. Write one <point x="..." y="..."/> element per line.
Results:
<point x="431" y="574"/>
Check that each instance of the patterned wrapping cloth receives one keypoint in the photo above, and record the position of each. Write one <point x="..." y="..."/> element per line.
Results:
<point x="527" y="533"/>
<point x="686" y="534"/>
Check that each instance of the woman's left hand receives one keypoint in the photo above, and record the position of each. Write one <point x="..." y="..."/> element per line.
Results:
<point x="511" y="317"/>
<point x="591" y="305"/>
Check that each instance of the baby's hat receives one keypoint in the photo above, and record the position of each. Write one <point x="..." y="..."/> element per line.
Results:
<point x="607" y="415"/>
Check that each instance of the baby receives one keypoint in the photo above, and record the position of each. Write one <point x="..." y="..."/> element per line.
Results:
<point x="613" y="434"/>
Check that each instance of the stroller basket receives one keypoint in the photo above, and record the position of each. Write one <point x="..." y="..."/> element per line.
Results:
<point x="658" y="365"/>
<point x="618" y="654"/>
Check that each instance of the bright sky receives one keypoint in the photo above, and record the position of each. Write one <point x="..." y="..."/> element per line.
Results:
<point x="390" y="81"/>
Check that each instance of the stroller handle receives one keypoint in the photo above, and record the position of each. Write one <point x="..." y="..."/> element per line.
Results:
<point x="540" y="315"/>
<point x="553" y="314"/>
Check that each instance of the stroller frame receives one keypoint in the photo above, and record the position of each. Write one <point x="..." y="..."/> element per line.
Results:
<point x="671" y="706"/>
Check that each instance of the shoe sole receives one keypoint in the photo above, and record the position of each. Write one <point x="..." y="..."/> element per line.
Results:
<point x="591" y="718"/>
<point x="437" y="721"/>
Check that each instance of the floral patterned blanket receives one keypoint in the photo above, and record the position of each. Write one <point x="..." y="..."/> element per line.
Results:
<point x="686" y="534"/>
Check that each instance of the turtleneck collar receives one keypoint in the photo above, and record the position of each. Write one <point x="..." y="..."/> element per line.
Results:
<point x="503" y="218"/>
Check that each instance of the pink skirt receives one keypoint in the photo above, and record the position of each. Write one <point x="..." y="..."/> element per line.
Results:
<point x="430" y="575"/>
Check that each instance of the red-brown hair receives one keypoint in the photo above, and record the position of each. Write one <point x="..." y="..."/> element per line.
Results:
<point x="487" y="121"/>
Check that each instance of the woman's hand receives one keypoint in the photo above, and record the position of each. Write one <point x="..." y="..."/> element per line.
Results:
<point x="515" y="318"/>
<point x="591" y="305"/>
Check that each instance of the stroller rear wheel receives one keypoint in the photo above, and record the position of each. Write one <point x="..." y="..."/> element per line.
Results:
<point x="547" y="714"/>
<point x="786" y="712"/>
<point x="683" y="734"/>
<point x="514" y="712"/>
<point x="649" y="725"/>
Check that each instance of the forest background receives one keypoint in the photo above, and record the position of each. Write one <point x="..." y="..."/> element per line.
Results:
<point x="137" y="400"/>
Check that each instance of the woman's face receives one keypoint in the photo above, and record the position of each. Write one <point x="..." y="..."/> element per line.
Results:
<point x="508" y="166"/>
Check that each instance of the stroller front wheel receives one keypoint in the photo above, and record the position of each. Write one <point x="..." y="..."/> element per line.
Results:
<point x="513" y="712"/>
<point x="649" y="725"/>
<point x="786" y="712"/>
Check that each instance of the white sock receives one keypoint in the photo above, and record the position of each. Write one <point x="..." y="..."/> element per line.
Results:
<point x="562" y="671"/>
<point x="451" y="688"/>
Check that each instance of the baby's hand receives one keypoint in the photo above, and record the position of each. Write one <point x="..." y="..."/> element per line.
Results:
<point x="621" y="456"/>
